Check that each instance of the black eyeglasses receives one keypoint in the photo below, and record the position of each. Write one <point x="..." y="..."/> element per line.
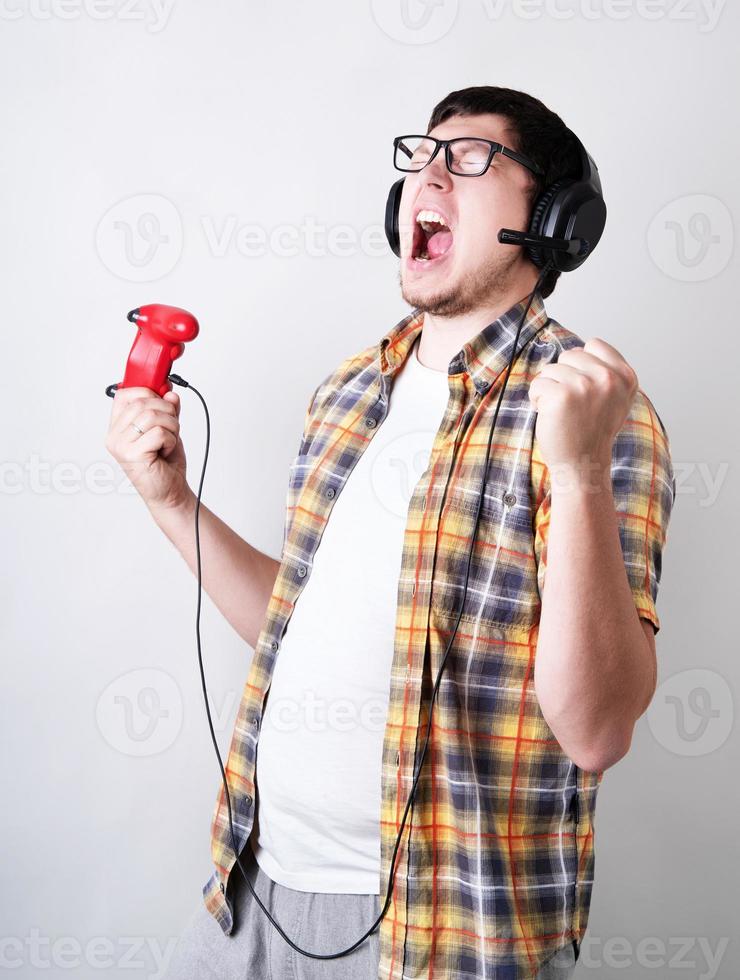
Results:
<point x="465" y="156"/>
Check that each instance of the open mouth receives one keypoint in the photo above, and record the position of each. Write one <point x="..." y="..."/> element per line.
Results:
<point x="432" y="237"/>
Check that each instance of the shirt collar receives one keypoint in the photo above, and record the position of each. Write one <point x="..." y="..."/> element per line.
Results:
<point x="484" y="356"/>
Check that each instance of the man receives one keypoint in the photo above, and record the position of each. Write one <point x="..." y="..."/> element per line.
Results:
<point x="546" y="674"/>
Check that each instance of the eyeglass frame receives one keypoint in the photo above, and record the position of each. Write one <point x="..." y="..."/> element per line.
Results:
<point x="494" y="148"/>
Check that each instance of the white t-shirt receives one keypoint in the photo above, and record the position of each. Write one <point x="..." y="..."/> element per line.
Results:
<point x="318" y="768"/>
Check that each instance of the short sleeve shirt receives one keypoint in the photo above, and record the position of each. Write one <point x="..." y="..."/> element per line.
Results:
<point x="494" y="869"/>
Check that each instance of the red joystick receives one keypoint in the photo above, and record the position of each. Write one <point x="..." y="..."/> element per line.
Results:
<point x="162" y="334"/>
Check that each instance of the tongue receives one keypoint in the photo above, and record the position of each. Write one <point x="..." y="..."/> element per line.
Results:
<point x="439" y="243"/>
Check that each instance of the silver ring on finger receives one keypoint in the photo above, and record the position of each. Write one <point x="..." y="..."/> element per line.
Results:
<point x="140" y="431"/>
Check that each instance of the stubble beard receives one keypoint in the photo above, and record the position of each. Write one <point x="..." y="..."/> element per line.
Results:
<point x="474" y="289"/>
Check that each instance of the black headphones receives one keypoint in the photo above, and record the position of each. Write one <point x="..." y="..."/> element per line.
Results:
<point x="567" y="219"/>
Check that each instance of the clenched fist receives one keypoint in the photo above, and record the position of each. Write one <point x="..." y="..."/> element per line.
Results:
<point x="582" y="401"/>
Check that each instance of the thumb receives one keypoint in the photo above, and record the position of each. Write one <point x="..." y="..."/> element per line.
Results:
<point x="533" y="394"/>
<point x="173" y="398"/>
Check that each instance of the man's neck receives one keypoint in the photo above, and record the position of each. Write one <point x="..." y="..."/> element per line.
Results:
<point x="443" y="336"/>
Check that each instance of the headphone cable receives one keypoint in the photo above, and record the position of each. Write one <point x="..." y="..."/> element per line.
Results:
<point x="176" y="379"/>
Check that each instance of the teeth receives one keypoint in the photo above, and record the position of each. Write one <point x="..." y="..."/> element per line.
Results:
<point x="429" y="218"/>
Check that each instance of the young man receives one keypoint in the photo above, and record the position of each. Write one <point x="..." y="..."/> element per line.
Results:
<point x="553" y="658"/>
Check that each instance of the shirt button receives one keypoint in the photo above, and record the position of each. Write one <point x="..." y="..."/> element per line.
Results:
<point x="330" y="492"/>
<point x="248" y="800"/>
<point x="222" y="886"/>
<point x="370" y="423"/>
<point x="509" y="499"/>
<point x="302" y="571"/>
<point x="255" y="722"/>
<point x="274" y="645"/>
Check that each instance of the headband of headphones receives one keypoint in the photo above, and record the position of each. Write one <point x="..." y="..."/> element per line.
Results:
<point x="570" y="209"/>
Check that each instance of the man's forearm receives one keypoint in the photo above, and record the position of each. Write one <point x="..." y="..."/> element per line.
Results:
<point x="238" y="578"/>
<point x="593" y="668"/>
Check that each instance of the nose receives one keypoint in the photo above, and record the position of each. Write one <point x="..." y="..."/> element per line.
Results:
<point x="436" y="172"/>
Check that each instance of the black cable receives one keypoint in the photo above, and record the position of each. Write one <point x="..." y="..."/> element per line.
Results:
<point x="330" y="956"/>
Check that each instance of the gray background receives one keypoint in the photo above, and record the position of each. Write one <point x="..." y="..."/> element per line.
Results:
<point x="231" y="116"/>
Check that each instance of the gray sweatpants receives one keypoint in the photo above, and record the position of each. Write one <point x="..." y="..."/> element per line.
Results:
<point x="316" y="921"/>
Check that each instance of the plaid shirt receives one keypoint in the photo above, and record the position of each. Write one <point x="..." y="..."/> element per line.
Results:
<point x="495" y="867"/>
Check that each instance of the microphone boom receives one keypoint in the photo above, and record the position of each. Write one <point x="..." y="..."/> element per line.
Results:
<point x="573" y="246"/>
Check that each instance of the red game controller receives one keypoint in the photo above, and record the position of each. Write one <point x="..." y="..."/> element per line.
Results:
<point x="162" y="334"/>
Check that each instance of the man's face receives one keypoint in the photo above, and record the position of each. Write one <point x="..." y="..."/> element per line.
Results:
<point x="476" y="266"/>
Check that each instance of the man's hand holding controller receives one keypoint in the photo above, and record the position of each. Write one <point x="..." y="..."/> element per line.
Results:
<point x="144" y="438"/>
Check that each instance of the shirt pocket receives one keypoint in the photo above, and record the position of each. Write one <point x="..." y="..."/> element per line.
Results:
<point x="502" y="584"/>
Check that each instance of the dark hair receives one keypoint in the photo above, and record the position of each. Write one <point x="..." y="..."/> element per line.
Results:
<point x="533" y="129"/>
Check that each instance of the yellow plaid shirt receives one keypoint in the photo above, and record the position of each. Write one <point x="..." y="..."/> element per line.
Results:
<point x="495" y="867"/>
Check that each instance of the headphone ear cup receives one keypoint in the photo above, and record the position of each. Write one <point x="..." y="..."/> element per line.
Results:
<point x="392" y="206"/>
<point x="540" y="254"/>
